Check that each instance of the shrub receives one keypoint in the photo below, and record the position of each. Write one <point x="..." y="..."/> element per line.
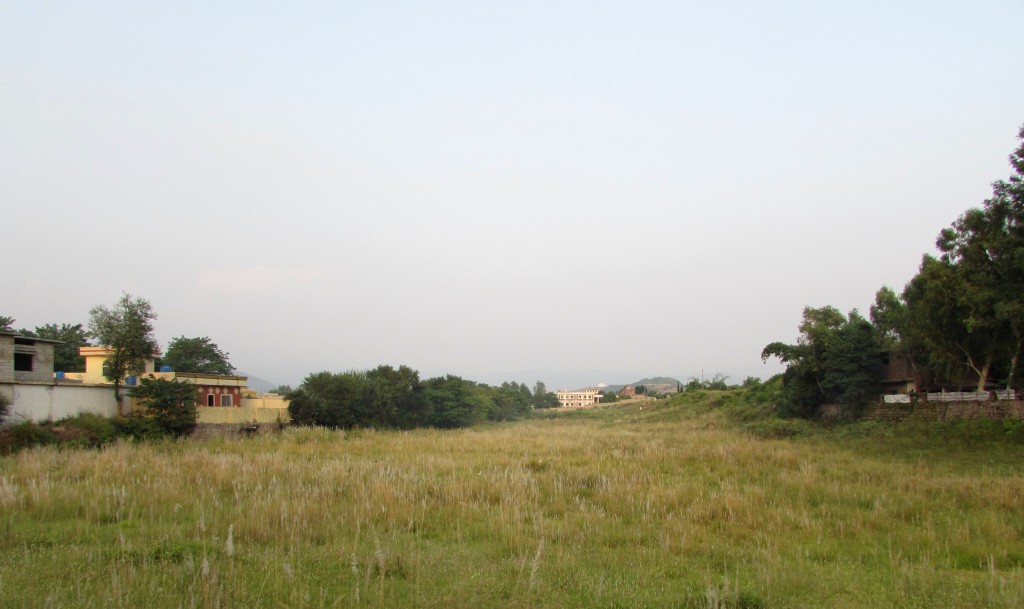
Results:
<point x="171" y="402"/>
<point x="89" y="429"/>
<point x="139" y="427"/>
<point x="25" y="435"/>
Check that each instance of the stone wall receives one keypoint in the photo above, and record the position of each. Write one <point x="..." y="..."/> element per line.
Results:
<point x="997" y="410"/>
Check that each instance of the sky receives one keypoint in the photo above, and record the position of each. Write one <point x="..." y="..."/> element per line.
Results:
<point x="572" y="192"/>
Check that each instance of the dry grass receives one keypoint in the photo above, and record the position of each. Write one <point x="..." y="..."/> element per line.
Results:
<point x="615" y="508"/>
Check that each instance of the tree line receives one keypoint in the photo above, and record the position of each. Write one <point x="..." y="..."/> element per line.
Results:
<point x="958" y="322"/>
<point x="386" y="397"/>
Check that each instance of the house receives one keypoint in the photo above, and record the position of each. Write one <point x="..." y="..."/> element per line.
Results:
<point x="579" y="398"/>
<point x="35" y="393"/>
<point x="220" y="398"/>
<point x="25" y="359"/>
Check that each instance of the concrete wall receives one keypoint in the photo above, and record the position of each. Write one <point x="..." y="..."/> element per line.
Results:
<point x="45" y="402"/>
<point x="243" y="414"/>
<point x="6" y="358"/>
<point x="997" y="410"/>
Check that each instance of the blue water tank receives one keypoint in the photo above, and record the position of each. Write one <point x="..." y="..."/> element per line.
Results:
<point x="131" y="380"/>
<point x="60" y="375"/>
<point x="166" y="369"/>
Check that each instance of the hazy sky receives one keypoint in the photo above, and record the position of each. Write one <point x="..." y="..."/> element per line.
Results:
<point x="575" y="192"/>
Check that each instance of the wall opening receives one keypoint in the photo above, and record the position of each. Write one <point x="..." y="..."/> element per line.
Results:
<point x="23" y="362"/>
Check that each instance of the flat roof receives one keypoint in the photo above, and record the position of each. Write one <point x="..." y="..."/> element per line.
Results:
<point x="32" y="338"/>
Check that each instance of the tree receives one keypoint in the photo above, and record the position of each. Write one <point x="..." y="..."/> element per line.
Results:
<point x="172" y="403"/>
<point x="454" y="402"/>
<point x="510" y="402"/>
<point x="986" y="246"/>
<point x="65" y="355"/>
<point x="198" y="354"/>
<point x="330" y="400"/>
<point x="6" y="323"/>
<point x="394" y="398"/>
<point x="542" y="398"/>
<point x="127" y="330"/>
<point x="836" y="359"/>
<point x="953" y="320"/>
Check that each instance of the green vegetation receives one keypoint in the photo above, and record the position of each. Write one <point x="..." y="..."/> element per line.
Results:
<point x="81" y="431"/>
<point x="198" y="354"/>
<point x="959" y="321"/>
<point x="127" y="329"/>
<point x="667" y="504"/>
<point x="388" y="398"/>
<point x="170" y="403"/>
<point x="65" y="354"/>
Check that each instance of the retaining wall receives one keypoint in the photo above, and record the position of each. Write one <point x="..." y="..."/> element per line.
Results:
<point x="996" y="410"/>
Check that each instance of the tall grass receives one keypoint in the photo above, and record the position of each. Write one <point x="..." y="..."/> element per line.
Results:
<point x="616" y="507"/>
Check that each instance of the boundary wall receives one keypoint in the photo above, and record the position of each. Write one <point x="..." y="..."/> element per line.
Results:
<point x="996" y="410"/>
<point x="48" y="402"/>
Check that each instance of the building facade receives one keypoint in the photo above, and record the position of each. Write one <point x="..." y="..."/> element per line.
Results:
<point x="578" y="399"/>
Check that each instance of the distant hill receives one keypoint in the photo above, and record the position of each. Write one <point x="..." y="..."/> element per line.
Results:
<point x="661" y="384"/>
<point x="255" y="382"/>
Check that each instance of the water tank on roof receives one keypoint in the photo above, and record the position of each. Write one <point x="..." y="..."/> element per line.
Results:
<point x="60" y="375"/>
<point x="166" y="369"/>
<point x="131" y="380"/>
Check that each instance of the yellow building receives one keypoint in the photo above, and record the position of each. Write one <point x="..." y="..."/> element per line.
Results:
<point x="220" y="398"/>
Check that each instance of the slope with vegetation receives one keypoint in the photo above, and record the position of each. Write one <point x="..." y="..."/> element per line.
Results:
<point x="959" y="321"/>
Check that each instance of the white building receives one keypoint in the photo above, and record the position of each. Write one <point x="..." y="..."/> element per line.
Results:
<point x="578" y="399"/>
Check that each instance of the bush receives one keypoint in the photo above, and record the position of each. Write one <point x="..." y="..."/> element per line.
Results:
<point x="138" y="427"/>
<point x="88" y="430"/>
<point x="172" y="403"/>
<point x="26" y="435"/>
<point x="5" y="407"/>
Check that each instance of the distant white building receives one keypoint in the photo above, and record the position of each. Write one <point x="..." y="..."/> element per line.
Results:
<point x="578" y="399"/>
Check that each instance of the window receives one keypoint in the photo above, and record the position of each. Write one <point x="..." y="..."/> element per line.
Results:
<point x="22" y="362"/>
<point x="225" y="400"/>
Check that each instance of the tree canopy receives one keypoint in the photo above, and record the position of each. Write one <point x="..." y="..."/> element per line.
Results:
<point x="127" y="329"/>
<point x="65" y="355"/>
<point x="386" y="397"/>
<point x="198" y="354"/>
<point x="962" y="315"/>
<point x="837" y="359"/>
<point x="959" y="320"/>
<point x="172" y="403"/>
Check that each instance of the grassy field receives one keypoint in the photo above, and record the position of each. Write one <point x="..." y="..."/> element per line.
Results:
<point x="612" y="507"/>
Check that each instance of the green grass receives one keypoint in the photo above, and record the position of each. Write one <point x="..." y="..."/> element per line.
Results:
<point x="673" y="505"/>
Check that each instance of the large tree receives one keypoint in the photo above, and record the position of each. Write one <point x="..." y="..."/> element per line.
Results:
<point x="6" y="323"/>
<point x="837" y="359"/>
<point x="986" y="246"/>
<point x="198" y="354"/>
<point x="127" y="330"/>
<point x="962" y="314"/>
